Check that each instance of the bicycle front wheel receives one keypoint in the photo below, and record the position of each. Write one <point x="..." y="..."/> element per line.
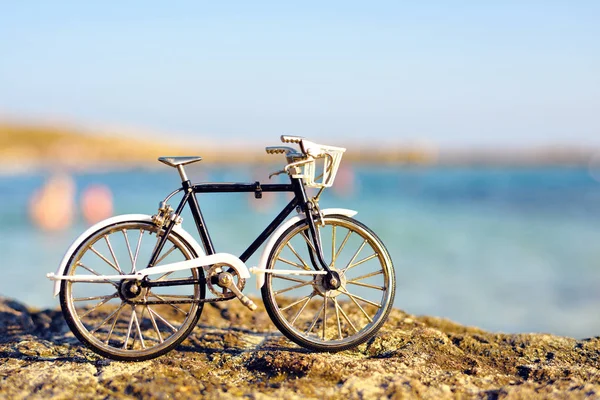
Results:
<point x="311" y="315"/>
<point x="108" y="316"/>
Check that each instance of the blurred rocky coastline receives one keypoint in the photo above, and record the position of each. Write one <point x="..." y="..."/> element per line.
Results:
<point x="234" y="353"/>
<point x="61" y="147"/>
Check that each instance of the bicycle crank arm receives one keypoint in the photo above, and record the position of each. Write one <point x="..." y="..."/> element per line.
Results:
<point x="226" y="281"/>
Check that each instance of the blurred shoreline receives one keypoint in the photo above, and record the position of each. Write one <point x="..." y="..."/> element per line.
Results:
<point x="30" y="147"/>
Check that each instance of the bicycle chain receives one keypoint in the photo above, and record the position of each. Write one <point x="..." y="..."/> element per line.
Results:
<point x="155" y="302"/>
<point x="213" y="300"/>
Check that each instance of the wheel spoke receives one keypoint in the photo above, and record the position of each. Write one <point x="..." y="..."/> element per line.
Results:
<point x="107" y="318"/>
<point x="307" y="240"/>
<point x="293" y="321"/>
<point x="112" y="327"/>
<point x="110" y="296"/>
<point x="100" y="304"/>
<point x="165" y="255"/>
<point x="342" y="245"/>
<point x="124" y="231"/>
<point x="96" y="273"/>
<point x="161" y="259"/>
<point x="324" y="315"/>
<point x="287" y="278"/>
<point x="366" y="276"/>
<point x="137" y="326"/>
<point x="164" y="321"/>
<point x="360" y="307"/>
<point x="367" y="285"/>
<point x="292" y="287"/>
<point x="337" y="318"/>
<point x="355" y="255"/>
<point x="137" y="252"/>
<point x="160" y="338"/>
<point x="129" y="328"/>
<point x="372" y="256"/>
<point x="333" y="245"/>
<point x="166" y="274"/>
<point x="314" y="322"/>
<point x="353" y="296"/>
<point x="293" y="264"/>
<point x="310" y="296"/>
<point x="346" y="317"/>
<point x="168" y="304"/>
<point x="105" y="260"/>
<point x="112" y="253"/>
<point x="305" y="266"/>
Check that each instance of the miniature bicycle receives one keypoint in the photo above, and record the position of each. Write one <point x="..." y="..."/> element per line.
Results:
<point x="132" y="287"/>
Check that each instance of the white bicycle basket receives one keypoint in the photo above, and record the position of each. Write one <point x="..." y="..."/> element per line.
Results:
<point x="319" y="172"/>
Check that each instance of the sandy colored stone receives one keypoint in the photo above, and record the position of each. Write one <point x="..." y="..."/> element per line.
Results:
<point x="234" y="353"/>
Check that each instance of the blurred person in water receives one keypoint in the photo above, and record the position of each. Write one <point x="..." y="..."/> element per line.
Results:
<point x="96" y="203"/>
<point x="52" y="206"/>
<point x="345" y="181"/>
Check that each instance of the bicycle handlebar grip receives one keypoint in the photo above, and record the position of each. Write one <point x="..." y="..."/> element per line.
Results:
<point x="277" y="149"/>
<point x="291" y="139"/>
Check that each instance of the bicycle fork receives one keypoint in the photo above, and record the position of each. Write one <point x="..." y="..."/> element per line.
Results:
<point x="332" y="280"/>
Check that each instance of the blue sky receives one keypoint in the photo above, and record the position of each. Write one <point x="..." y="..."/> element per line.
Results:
<point x="453" y="73"/>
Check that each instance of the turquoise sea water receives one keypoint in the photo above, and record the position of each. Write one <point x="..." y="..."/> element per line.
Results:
<point x="505" y="249"/>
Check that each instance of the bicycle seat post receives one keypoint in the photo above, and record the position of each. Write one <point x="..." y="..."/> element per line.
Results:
<point x="182" y="173"/>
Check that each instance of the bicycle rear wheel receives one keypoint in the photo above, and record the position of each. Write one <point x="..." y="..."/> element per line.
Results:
<point x="309" y="314"/>
<point x="101" y="313"/>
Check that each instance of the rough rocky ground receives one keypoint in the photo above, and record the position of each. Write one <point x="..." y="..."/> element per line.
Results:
<point x="234" y="353"/>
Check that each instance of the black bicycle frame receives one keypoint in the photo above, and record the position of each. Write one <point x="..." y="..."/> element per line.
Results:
<point x="300" y="200"/>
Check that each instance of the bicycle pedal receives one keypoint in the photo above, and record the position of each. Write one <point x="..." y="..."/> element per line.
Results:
<point x="243" y="298"/>
<point x="248" y="303"/>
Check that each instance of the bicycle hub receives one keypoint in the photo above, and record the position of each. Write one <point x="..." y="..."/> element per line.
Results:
<point x="332" y="280"/>
<point x="129" y="290"/>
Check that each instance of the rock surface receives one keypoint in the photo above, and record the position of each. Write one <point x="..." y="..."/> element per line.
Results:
<point x="234" y="353"/>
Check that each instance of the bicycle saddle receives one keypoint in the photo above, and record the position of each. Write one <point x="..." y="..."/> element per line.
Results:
<point x="175" y="161"/>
